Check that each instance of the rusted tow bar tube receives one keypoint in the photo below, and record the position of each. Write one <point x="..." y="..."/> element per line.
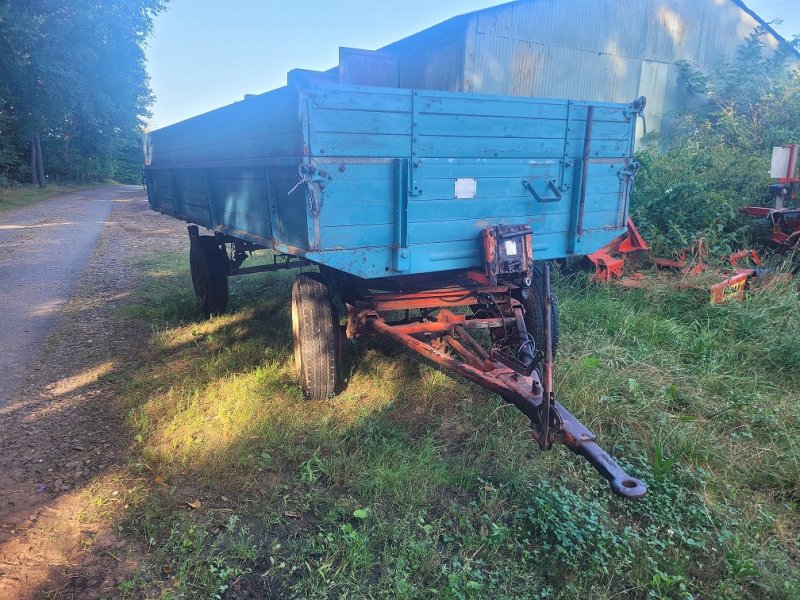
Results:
<point x="512" y="367"/>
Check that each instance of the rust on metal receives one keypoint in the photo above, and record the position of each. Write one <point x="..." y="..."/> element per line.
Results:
<point x="730" y="288"/>
<point x="450" y="296"/>
<point x="451" y="326"/>
<point x="470" y="341"/>
<point x="507" y="249"/>
<point x="510" y="367"/>
<point x="609" y="261"/>
<point x="548" y="393"/>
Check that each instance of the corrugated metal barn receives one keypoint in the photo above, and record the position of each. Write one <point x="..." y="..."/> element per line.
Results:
<point x="604" y="50"/>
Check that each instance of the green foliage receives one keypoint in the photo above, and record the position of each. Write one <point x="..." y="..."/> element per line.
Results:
<point x="715" y="157"/>
<point x="661" y="464"/>
<point x="74" y="71"/>
<point x="199" y="554"/>
<point x="695" y="191"/>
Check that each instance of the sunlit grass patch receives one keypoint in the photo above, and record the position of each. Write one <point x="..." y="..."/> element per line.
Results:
<point x="17" y="196"/>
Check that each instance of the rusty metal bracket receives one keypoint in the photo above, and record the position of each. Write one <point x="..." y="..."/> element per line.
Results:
<point x="507" y="252"/>
<point x="512" y="363"/>
<point x="548" y="392"/>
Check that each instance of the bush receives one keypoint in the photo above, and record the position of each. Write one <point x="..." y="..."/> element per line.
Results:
<point x="715" y="158"/>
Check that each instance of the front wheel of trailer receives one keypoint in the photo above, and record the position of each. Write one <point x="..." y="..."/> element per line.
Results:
<point x="533" y="301"/>
<point x="315" y="328"/>
<point x="209" y="268"/>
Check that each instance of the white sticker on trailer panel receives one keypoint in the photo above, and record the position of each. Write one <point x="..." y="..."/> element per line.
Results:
<point x="466" y="187"/>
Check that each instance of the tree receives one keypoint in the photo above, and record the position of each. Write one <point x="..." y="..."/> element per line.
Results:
<point x="74" y="70"/>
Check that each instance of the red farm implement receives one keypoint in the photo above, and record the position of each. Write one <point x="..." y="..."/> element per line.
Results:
<point x="784" y="217"/>
<point x="612" y="265"/>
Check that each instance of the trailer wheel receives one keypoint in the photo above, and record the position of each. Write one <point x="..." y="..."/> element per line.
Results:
<point x="315" y="327"/>
<point x="533" y="302"/>
<point x="209" y="267"/>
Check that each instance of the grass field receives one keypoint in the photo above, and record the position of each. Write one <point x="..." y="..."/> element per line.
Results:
<point x="414" y="484"/>
<point x="18" y="196"/>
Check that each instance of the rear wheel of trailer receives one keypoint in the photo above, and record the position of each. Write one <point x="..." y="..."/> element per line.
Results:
<point x="209" y="267"/>
<point x="533" y="300"/>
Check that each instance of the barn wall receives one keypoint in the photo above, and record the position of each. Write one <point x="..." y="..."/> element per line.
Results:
<point x="613" y="50"/>
<point x="433" y="59"/>
<point x="599" y="50"/>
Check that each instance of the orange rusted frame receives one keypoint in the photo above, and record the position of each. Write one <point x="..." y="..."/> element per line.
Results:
<point x="633" y="241"/>
<point x="450" y="326"/>
<point x="737" y="256"/>
<point x="785" y="223"/>
<point x="525" y="393"/>
<point x="452" y="296"/>
<point x="731" y="288"/>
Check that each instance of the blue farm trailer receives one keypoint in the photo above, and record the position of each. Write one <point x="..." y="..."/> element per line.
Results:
<point x="429" y="214"/>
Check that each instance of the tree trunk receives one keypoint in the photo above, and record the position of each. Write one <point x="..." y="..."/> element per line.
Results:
<point x="34" y="162"/>
<point x="39" y="161"/>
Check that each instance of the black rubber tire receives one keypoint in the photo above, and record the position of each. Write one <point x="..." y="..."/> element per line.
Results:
<point x="209" y="267"/>
<point x="316" y="332"/>
<point x="533" y="301"/>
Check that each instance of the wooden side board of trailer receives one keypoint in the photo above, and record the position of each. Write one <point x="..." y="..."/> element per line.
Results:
<point x="384" y="181"/>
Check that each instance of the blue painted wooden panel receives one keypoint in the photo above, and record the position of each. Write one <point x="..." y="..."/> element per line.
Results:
<point x="160" y="191"/>
<point x="283" y="144"/>
<point x="358" y="194"/>
<point x="361" y="98"/>
<point x="354" y="136"/>
<point x="467" y="147"/>
<point x="522" y="207"/>
<point x="240" y="201"/>
<point x="511" y="106"/>
<point x="291" y="204"/>
<point x="514" y="127"/>
<point x="499" y="143"/>
<point x="360" y="144"/>
<point x="263" y="125"/>
<point x="600" y="180"/>
<point x="191" y="198"/>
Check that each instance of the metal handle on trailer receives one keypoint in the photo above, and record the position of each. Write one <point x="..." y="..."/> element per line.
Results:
<point x="551" y="184"/>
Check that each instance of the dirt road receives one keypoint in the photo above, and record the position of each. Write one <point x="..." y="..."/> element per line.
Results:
<point x="67" y="267"/>
<point x="43" y="250"/>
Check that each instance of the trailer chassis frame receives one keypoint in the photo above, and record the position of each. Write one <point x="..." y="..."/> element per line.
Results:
<point x="443" y="337"/>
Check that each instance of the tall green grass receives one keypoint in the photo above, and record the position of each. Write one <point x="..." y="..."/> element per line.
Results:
<point x="412" y="483"/>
